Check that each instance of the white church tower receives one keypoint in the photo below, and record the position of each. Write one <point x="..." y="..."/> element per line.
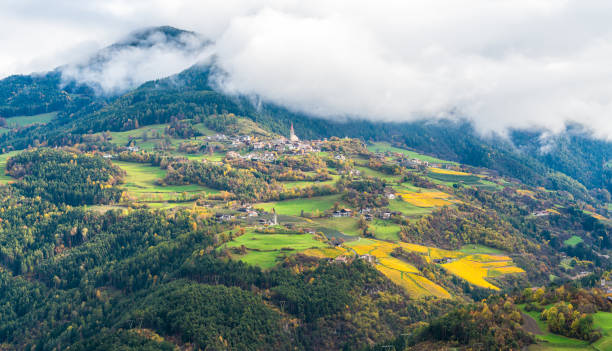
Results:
<point x="292" y="136"/>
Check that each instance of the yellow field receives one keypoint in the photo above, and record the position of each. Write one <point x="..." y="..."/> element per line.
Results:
<point x="415" y="285"/>
<point x="598" y="216"/>
<point x="505" y="270"/>
<point x="326" y="252"/>
<point x="430" y="286"/>
<point x="435" y="253"/>
<point x="474" y="268"/>
<point x="552" y="210"/>
<point x="471" y="271"/>
<point x="426" y="199"/>
<point x="397" y="264"/>
<point x="414" y="247"/>
<point x="447" y="171"/>
<point x="524" y="192"/>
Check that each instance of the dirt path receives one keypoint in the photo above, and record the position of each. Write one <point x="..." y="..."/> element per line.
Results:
<point x="530" y="324"/>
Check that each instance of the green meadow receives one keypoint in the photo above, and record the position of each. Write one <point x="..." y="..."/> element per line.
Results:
<point x="549" y="341"/>
<point x="385" y="230"/>
<point x="264" y="250"/>
<point x="573" y="241"/>
<point x="603" y="321"/>
<point x="294" y="207"/>
<point x="141" y="180"/>
<point x="408" y="209"/>
<point x="137" y="135"/>
<point x="376" y="174"/>
<point x="345" y="225"/>
<point x="386" y="147"/>
<point x="22" y="121"/>
<point x="480" y="249"/>
<point x="4" y="178"/>
<point x="455" y="178"/>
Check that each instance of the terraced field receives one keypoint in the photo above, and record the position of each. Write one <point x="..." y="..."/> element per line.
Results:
<point x="475" y="268"/>
<point x="432" y="198"/>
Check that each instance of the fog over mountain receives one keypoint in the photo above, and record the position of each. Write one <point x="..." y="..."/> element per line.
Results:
<point x="513" y="64"/>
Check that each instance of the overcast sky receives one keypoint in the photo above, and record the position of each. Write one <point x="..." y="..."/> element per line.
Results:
<point x="501" y="63"/>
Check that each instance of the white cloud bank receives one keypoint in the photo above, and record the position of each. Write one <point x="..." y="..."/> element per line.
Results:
<point x="121" y="67"/>
<point x="518" y="63"/>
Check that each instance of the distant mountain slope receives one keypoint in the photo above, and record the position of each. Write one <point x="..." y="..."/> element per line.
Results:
<point x="525" y="155"/>
<point x="54" y="91"/>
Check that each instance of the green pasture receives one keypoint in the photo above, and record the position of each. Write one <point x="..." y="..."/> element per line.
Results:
<point x="480" y="249"/>
<point x="345" y="225"/>
<point x="294" y="207"/>
<point x="386" y="147"/>
<point x="264" y="250"/>
<point x="573" y="241"/>
<point x="385" y="230"/>
<point x="22" y="121"/>
<point x="366" y="171"/>
<point x="4" y="178"/>
<point x="298" y="184"/>
<point x="549" y="341"/>
<point x="455" y="178"/>
<point x="140" y="181"/>
<point x="603" y="321"/>
<point x="408" y="209"/>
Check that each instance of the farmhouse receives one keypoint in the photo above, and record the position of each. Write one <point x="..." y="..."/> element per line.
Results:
<point x="368" y="258"/>
<point x="223" y="217"/>
<point x="341" y="259"/>
<point x="345" y="212"/>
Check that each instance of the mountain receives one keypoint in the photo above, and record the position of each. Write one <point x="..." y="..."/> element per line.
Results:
<point x="169" y="215"/>
<point x="56" y="90"/>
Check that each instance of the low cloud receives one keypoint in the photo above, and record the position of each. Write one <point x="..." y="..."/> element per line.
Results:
<point x="137" y="59"/>
<point x="519" y="63"/>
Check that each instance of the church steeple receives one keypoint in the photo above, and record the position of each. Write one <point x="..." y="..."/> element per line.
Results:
<point x="292" y="136"/>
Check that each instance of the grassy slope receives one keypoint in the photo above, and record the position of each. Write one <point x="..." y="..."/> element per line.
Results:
<point x="573" y="241"/>
<point x="20" y="121"/>
<point x="480" y="249"/>
<point x="346" y="225"/>
<point x="549" y="341"/>
<point x="265" y="249"/>
<point x="603" y="320"/>
<point x="140" y="181"/>
<point x="294" y="207"/>
<point x="4" y="178"/>
<point x="384" y="147"/>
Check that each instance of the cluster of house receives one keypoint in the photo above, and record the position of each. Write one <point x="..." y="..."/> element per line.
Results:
<point x="247" y="213"/>
<point x="346" y="259"/>
<point x="283" y="145"/>
<point x="368" y="213"/>
<point x="253" y="156"/>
